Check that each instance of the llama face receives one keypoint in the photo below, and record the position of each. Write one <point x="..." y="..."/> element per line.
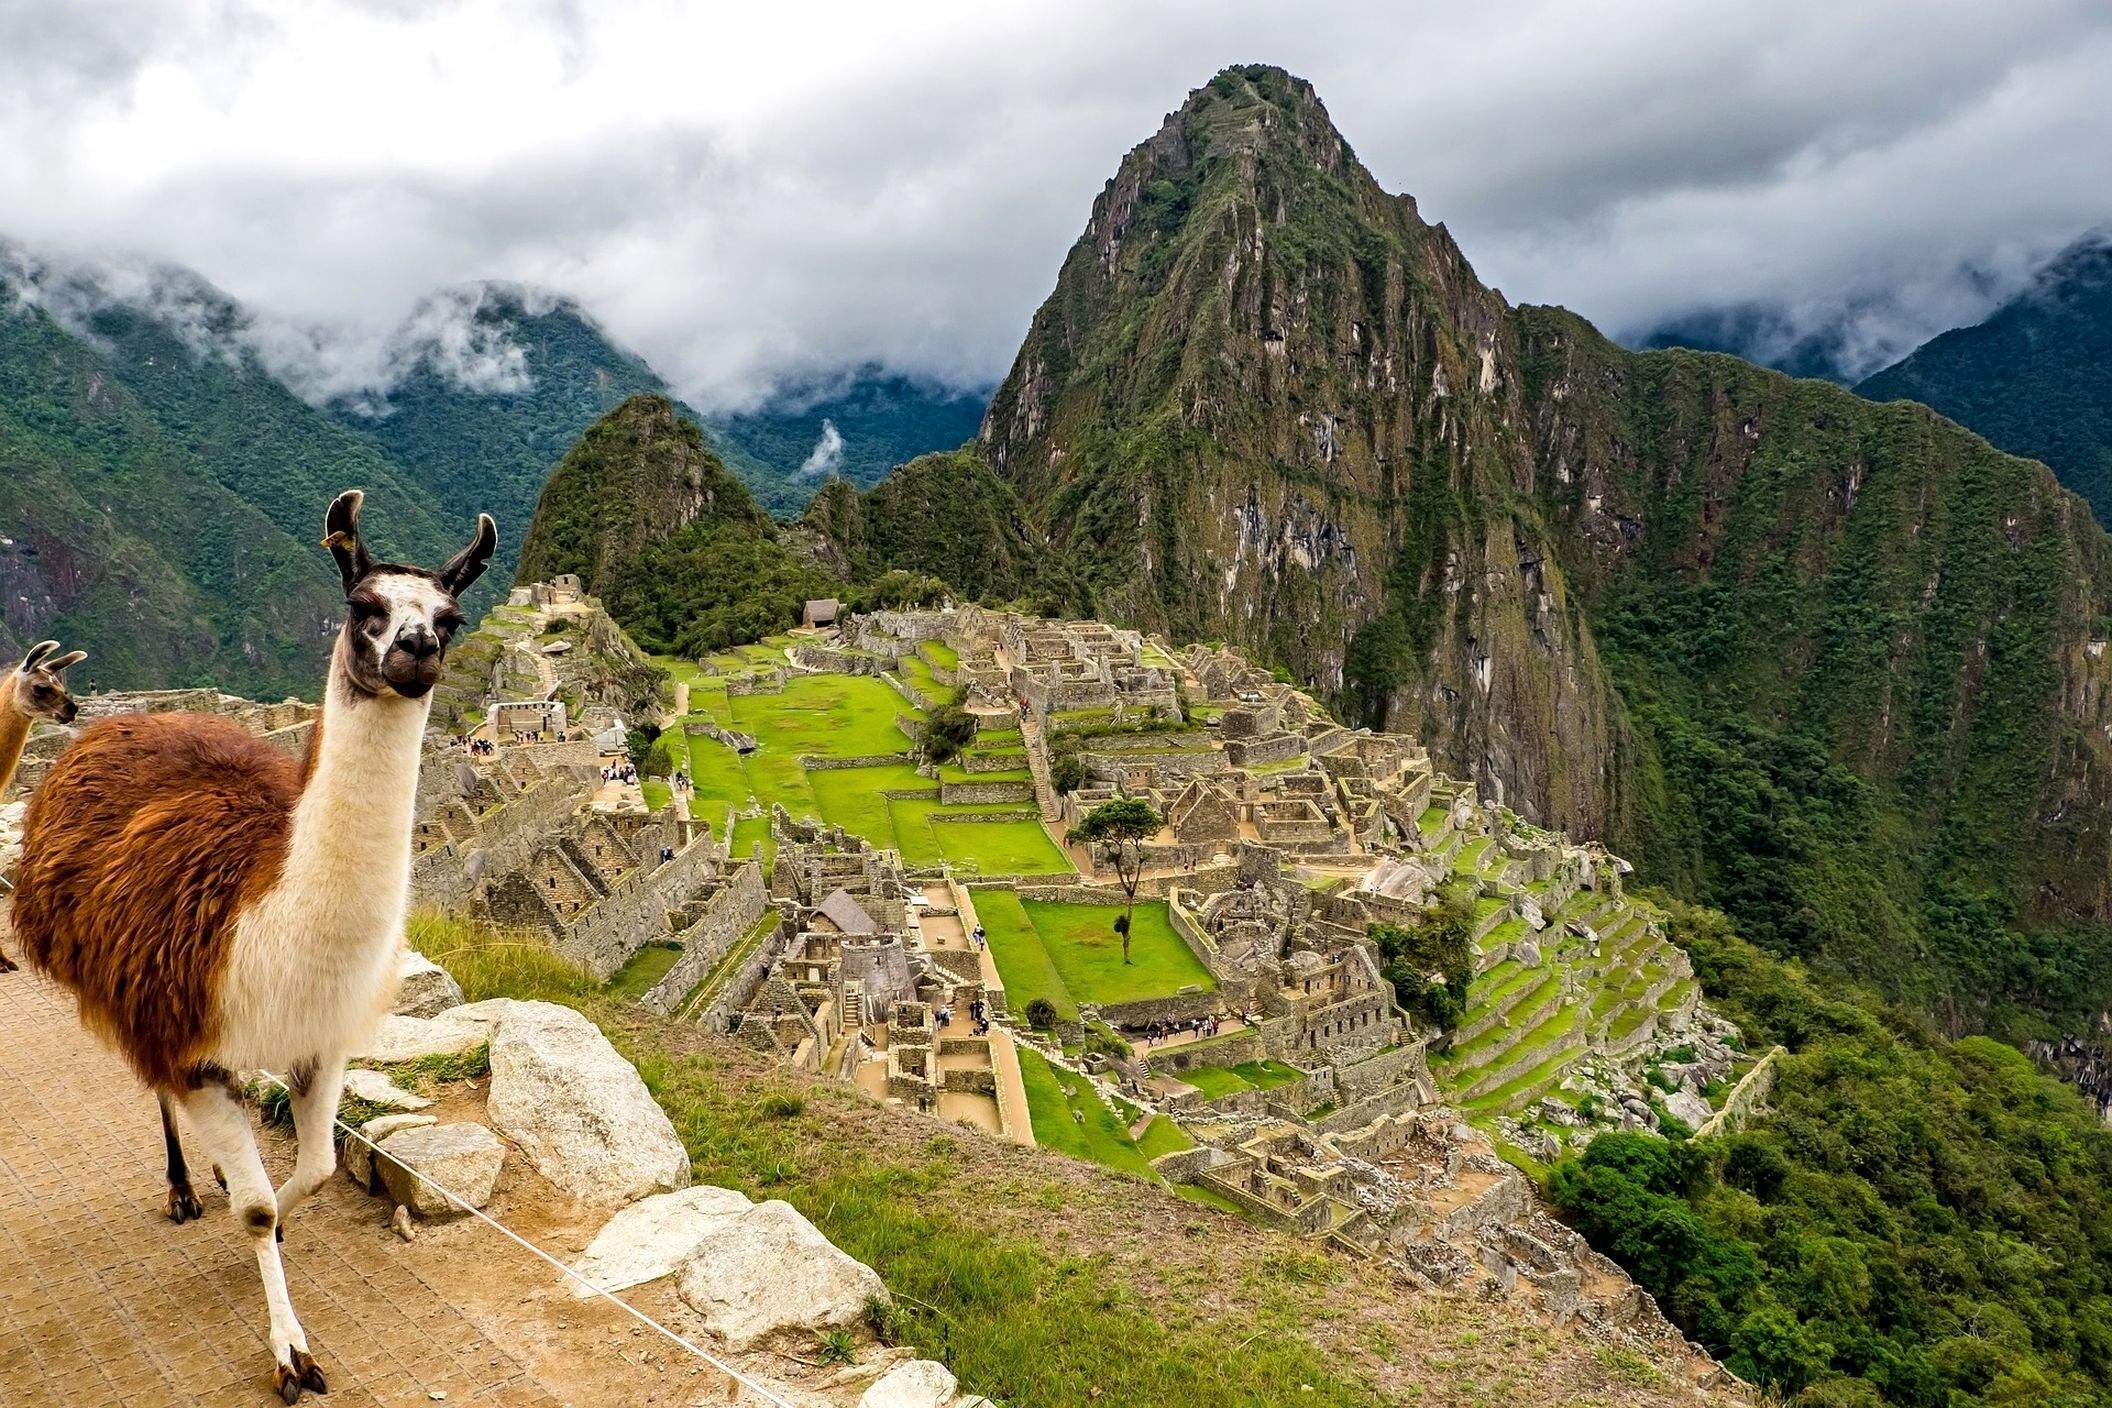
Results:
<point x="400" y="620"/>
<point x="40" y="685"/>
<point x="397" y="632"/>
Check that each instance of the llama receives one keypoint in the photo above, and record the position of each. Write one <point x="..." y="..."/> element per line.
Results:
<point x="217" y="905"/>
<point x="34" y="689"/>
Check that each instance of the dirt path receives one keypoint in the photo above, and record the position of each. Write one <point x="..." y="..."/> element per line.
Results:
<point x="104" y="1302"/>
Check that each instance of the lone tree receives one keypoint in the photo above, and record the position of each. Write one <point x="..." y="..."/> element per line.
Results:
<point x="1121" y="827"/>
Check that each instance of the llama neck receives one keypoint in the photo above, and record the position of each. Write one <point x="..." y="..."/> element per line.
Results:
<point x="352" y="827"/>
<point x="14" y="733"/>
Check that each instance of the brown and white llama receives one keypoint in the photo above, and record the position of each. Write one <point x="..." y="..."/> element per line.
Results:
<point x="216" y="905"/>
<point x="34" y="689"/>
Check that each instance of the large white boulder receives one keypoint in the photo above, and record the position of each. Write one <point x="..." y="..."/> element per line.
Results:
<point x="578" y="1110"/>
<point x="465" y="1159"/>
<point x="423" y="987"/>
<point x="921" y="1383"/>
<point x="650" y="1238"/>
<point x="1688" y="1107"/>
<point x="769" y="1269"/>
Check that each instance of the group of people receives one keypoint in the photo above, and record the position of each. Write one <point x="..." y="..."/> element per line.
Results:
<point x="620" y="772"/>
<point x="480" y="747"/>
<point x="1201" y="1028"/>
<point x="978" y="1013"/>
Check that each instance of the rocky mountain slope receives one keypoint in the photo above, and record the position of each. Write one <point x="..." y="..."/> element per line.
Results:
<point x="160" y="492"/>
<point x="2036" y="377"/>
<point x="1833" y="666"/>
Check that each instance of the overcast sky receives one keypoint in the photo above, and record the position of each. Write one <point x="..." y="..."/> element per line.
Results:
<point x="749" y="192"/>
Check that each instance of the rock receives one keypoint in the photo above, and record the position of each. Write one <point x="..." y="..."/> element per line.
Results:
<point x="578" y="1110"/>
<point x="423" y="987"/>
<point x="358" y="1162"/>
<point x="921" y="1383"/>
<point x="463" y="1158"/>
<point x="1688" y="1108"/>
<point x="408" y="1038"/>
<point x="377" y="1089"/>
<point x="649" y="1239"/>
<point x="768" y="1270"/>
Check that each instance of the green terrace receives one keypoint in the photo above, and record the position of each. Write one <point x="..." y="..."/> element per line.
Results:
<point x="887" y="803"/>
<point x="1070" y="953"/>
<point x="1068" y="1114"/>
<point x="1524" y="1029"/>
<point x="1215" y="1081"/>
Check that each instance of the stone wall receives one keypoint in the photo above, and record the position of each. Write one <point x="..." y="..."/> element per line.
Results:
<point x="986" y="793"/>
<point x="730" y="913"/>
<point x="606" y="933"/>
<point x="1746" y="1096"/>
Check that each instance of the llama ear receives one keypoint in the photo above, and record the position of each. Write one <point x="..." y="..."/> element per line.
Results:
<point x="341" y="536"/>
<point x="37" y="652"/>
<point x="66" y="662"/>
<point x="467" y="565"/>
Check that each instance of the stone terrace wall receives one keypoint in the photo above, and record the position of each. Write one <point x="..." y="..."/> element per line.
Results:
<point x="508" y="835"/>
<point x="728" y="914"/>
<point x="607" y="932"/>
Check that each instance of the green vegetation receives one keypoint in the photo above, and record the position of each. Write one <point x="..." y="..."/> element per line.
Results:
<point x="1215" y="1081"/>
<point x="1119" y="829"/>
<point x="1069" y="1116"/>
<point x="645" y="968"/>
<point x="1920" y="1220"/>
<point x="2035" y="378"/>
<point x="889" y="804"/>
<point x="1070" y="953"/>
<point x="1437" y="947"/>
<point x="491" y="962"/>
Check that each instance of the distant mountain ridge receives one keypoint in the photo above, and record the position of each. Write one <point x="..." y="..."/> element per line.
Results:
<point x="163" y="452"/>
<point x="2036" y="377"/>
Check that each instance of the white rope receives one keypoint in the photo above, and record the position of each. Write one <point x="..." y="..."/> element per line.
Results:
<point x="518" y="1240"/>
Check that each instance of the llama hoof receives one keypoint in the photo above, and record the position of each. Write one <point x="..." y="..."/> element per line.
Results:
<point x="219" y="1178"/>
<point x="183" y="1204"/>
<point x="300" y="1372"/>
<point x="6" y="964"/>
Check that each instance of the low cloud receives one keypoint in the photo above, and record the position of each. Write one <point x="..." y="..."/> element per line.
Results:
<point x="825" y="457"/>
<point x="904" y="192"/>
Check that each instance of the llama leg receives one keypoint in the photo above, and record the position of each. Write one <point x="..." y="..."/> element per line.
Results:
<point x="183" y="1203"/>
<point x="222" y="1127"/>
<point x="315" y="1086"/>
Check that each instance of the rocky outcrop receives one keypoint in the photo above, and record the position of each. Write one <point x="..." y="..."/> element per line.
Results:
<point x="769" y="1270"/>
<point x="578" y="1110"/>
<point x="650" y="1238"/>
<point x="423" y="987"/>
<point x="463" y="1159"/>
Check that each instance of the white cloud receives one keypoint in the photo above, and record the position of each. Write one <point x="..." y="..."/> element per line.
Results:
<point x="746" y="194"/>
<point x="826" y="455"/>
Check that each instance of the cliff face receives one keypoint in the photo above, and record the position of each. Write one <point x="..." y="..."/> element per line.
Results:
<point x="1837" y="667"/>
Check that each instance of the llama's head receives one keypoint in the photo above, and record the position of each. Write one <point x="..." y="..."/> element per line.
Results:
<point x="395" y="638"/>
<point x="38" y="684"/>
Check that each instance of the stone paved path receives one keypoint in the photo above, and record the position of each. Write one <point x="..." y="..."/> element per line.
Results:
<point x="104" y="1302"/>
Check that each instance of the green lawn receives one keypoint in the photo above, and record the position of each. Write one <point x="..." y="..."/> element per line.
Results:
<point x="1214" y="1081"/>
<point x="1069" y="953"/>
<point x="941" y="654"/>
<point x="1068" y="1115"/>
<point x="828" y="716"/>
<point x="844" y="716"/>
<point x="646" y="967"/>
